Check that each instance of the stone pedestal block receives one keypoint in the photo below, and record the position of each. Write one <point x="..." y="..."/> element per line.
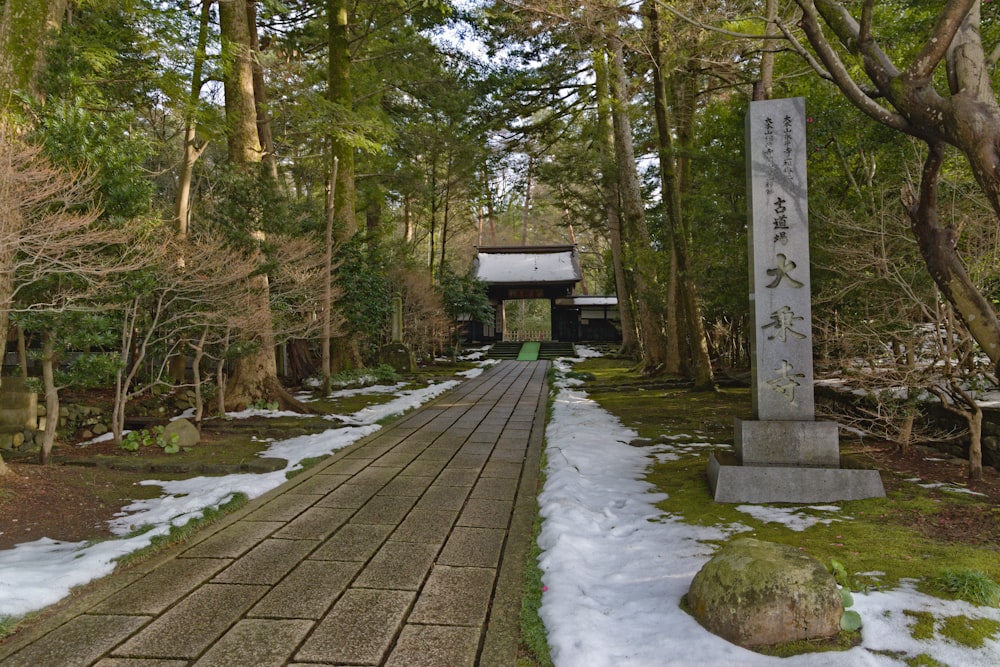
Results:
<point x="787" y="443"/>
<point x="734" y="483"/>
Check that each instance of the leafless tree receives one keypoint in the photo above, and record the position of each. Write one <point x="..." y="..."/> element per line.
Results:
<point x="50" y="236"/>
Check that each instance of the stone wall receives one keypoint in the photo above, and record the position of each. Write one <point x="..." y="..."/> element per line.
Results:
<point x="83" y="422"/>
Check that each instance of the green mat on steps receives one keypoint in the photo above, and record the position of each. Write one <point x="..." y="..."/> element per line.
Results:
<point x="529" y="352"/>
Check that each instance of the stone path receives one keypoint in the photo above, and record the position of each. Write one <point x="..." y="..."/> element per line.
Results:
<point x="405" y="549"/>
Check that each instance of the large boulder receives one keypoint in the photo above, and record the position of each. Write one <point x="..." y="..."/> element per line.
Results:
<point x="756" y="593"/>
<point x="186" y="432"/>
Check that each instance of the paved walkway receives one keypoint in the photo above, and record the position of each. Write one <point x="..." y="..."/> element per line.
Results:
<point x="405" y="549"/>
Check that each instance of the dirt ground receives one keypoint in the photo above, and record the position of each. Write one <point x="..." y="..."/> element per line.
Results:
<point x="72" y="503"/>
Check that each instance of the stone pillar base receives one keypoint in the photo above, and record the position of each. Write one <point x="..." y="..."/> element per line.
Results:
<point x="787" y="443"/>
<point x="731" y="482"/>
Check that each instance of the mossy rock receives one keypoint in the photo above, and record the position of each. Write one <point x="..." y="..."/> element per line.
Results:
<point x="756" y="593"/>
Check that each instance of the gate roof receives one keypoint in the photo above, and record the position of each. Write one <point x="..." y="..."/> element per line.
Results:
<point x="527" y="265"/>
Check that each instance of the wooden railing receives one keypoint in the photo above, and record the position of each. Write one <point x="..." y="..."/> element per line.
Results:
<point x="527" y="334"/>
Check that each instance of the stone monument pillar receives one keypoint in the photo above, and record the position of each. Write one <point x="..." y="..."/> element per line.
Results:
<point x="782" y="453"/>
<point x="397" y="319"/>
<point x="396" y="353"/>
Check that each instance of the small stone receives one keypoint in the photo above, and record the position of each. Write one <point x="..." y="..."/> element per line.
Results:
<point x="186" y="432"/>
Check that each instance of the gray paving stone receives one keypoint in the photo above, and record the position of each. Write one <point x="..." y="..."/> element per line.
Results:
<point x="444" y="498"/>
<point x="465" y="461"/>
<point x="435" y="646"/>
<point x="506" y="455"/>
<point x="425" y="525"/>
<point x="439" y="453"/>
<point x="79" y="642"/>
<point x="266" y="563"/>
<point x="316" y="523"/>
<point x="139" y="662"/>
<point x="480" y="448"/>
<point x="406" y="486"/>
<point x="188" y="628"/>
<point x="388" y="510"/>
<point x="377" y="448"/>
<point x="395" y="459"/>
<point x="350" y="495"/>
<point x="284" y="507"/>
<point x="308" y="590"/>
<point x="497" y="469"/>
<point x="399" y="566"/>
<point x="460" y="477"/>
<point x="353" y="542"/>
<point x="495" y="488"/>
<point x="233" y="540"/>
<point x="376" y="475"/>
<point x="162" y="587"/>
<point x="359" y="629"/>
<point x="423" y="468"/>
<point x="319" y="484"/>
<point x="349" y="465"/>
<point x="473" y="547"/>
<point x="455" y="596"/>
<point x="480" y="513"/>
<point x="258" y="642"/>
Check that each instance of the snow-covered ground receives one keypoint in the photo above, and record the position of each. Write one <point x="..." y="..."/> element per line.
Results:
<point x="615" y="567"/>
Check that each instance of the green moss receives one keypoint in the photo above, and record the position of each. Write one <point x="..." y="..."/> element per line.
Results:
<point x="923" y="660"/>
<point x="7" y="625"/>
<point x="842" y="641"/>
<point x="923" y="624"/>
<point x="533" y="648"/>
<point x="306" y="464"/>
<point x="971" y="632"/>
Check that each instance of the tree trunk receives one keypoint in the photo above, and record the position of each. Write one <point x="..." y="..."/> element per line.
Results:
<point x="199" y="354"/>
<point x="185" y="175"/>
<point x="633" y="216"/>
<point x="526" y="209"/>
<point x="938" y="246"/>
<point x="674" y="182"/>
<point x="24" y="25"/>
<point x="241" y="108"/>
<point x="609" y="194"/>
<point x="326" y="335"/>
<point x="22" y="353"/>
<point x="976" y="443"/>
<point x="264" y="135"/>
<point x="341" y="94"/>
<point x="182" y="203"/>
<point x="255" y="377"/>
<point x="51" y="399"/>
